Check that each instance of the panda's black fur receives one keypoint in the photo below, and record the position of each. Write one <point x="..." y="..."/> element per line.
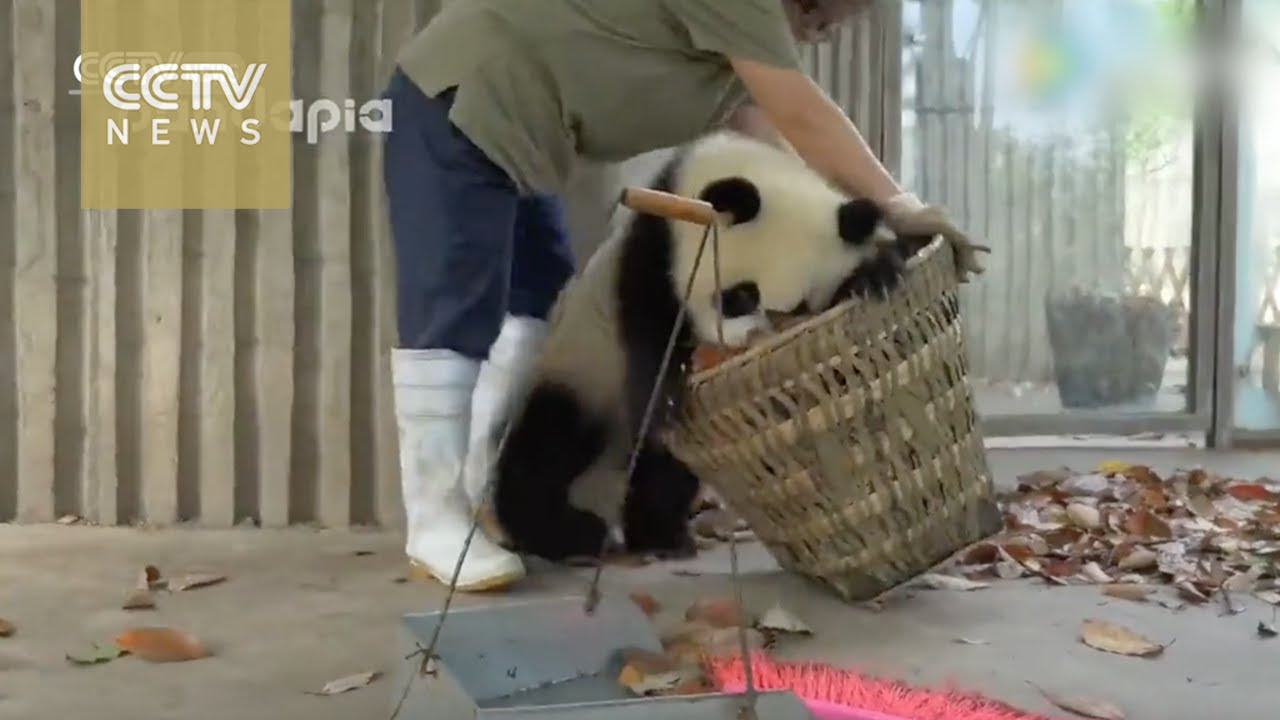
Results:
<point x="609" y="332"/>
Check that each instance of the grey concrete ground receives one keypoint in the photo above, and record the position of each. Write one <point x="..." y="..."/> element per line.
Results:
<point x="301" y="608"/>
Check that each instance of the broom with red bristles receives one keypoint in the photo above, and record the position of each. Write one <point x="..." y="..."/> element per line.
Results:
<point x="831" y="693"/>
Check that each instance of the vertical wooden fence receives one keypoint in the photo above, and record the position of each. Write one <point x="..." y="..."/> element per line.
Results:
<point x="1054" y="215"/>
<point x="219" y="367"/>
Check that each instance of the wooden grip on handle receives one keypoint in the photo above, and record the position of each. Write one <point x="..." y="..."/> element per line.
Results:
<point x="669" y="206"/>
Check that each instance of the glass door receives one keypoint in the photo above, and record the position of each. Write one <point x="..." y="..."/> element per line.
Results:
<point x="1255" y="343"/>
<point x="1063" y="135"/>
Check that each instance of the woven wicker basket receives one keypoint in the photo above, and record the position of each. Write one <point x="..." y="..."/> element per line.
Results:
<point x="849" y="442"/>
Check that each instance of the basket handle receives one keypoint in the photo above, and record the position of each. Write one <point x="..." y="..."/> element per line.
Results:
<point x="669" y="206"/>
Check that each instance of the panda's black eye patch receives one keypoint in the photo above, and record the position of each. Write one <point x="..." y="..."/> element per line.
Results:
<point x="737" y="196"/>
<point x="740" y="300"/>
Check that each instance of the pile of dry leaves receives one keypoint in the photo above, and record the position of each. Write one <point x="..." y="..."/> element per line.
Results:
<point x="1133" y="532"/>
<point x="711" y="626"/>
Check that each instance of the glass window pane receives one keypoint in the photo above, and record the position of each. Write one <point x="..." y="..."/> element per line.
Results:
<point x="1257" y="327"/>
<point x="1061" y="134"/>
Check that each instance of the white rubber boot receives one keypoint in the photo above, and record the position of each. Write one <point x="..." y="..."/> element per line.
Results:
<point x="433" y="401"/>
<point x="501" y="377"/>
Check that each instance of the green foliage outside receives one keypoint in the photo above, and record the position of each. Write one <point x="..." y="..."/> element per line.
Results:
<point x="1158" y="113"/>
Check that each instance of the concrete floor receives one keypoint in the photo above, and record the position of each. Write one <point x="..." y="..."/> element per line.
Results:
<point x="301" y="608"/>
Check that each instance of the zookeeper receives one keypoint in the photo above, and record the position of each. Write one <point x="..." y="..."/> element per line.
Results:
<point x="491" y="103"/>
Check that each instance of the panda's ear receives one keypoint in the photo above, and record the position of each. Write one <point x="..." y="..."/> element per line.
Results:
<point x="857" y="220"/>
<point x="737" y="197"/>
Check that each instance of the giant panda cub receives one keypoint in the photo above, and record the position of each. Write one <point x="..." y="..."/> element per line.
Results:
<point x="788" y="242"/>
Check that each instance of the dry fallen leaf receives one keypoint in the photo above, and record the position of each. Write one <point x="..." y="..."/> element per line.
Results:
<point x="149" y="579"/>
<point x="646" y="602"/>
<point x="1112" y="638"/>
<point x="721" y="641"/>
<point x="647" y="661"/>
<point x="1189" y="592"/>
<point x="685" y="652"/>
<point x="936" y="581"/>
<point x="1084" y="516"/>
<point x="1095" y="574"/>
<point x="1139" y="559"/>
<point x="348" y="683"/>
<point x="1128" y="591"/>
<point x="95" y="654"/>
<point x="138" y="600"/>
<point x="1083" y="706"/>
<point x="1252" y="491"/>
<point x="706" y="356"/>
<point x="1060" y="569"/>
<point x="1089" y="485"/>
<point x="1172" y="560"/>
<point x="717" y="612"/>
<point x="980" y="554"/>
<point x="7" y="629"/>
<point x="197" y="580"/>
<point x="1152" y="498"/>
<point x="688" y="631"/>
<point x="778" y="619"/>
<point x="1147" y="524"/>
<point x="643" y="684"/>
<point x="1201" y="505"/>
<point x="1011" y="569"/>
<point x="1113" y="467"/>
<point x="159" y="644"/>
<point x="1142" y="474"/>
<point x="1242" y="582"/>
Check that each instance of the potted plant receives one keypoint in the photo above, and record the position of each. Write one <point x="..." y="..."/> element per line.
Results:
<point x="1109" y="348"/>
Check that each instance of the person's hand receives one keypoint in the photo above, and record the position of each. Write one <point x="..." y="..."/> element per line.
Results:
<point x="908" y="216"/>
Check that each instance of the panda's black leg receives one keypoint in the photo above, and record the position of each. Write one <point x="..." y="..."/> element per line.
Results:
<point x="875" y="278"/>
<point x="655" y="517"/>
<point x="550" y="444"/>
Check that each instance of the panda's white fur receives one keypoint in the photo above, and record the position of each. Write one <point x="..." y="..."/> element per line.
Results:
<point x="788" y="241"/>
<point x="791" y="249"/>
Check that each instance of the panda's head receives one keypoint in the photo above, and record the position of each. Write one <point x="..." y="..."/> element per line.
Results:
<point x="857" y="223"/>
<point x="787" y="238"/>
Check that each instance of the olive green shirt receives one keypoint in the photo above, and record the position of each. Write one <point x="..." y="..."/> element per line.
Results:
<point x="540" y="81"/>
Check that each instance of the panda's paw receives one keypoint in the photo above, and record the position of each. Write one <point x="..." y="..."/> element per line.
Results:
<point x="877" y="277"/>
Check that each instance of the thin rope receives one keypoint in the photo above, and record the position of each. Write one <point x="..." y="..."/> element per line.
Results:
<point x="593" y="590"/>
<point x="428" y="653"/>
<point x="748" y="709"/>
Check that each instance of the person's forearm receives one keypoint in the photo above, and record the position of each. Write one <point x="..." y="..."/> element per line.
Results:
<point x="831" y="144"/>
<point x="817" y="130"/>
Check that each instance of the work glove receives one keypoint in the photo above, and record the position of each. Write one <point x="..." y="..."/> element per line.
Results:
<point x="909" y="217"/>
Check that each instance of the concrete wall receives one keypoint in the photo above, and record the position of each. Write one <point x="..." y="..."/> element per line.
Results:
<point x="224" y="366"/>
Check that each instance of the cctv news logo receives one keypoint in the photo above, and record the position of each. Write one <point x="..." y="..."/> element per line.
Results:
<point x="155" y="87"/>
